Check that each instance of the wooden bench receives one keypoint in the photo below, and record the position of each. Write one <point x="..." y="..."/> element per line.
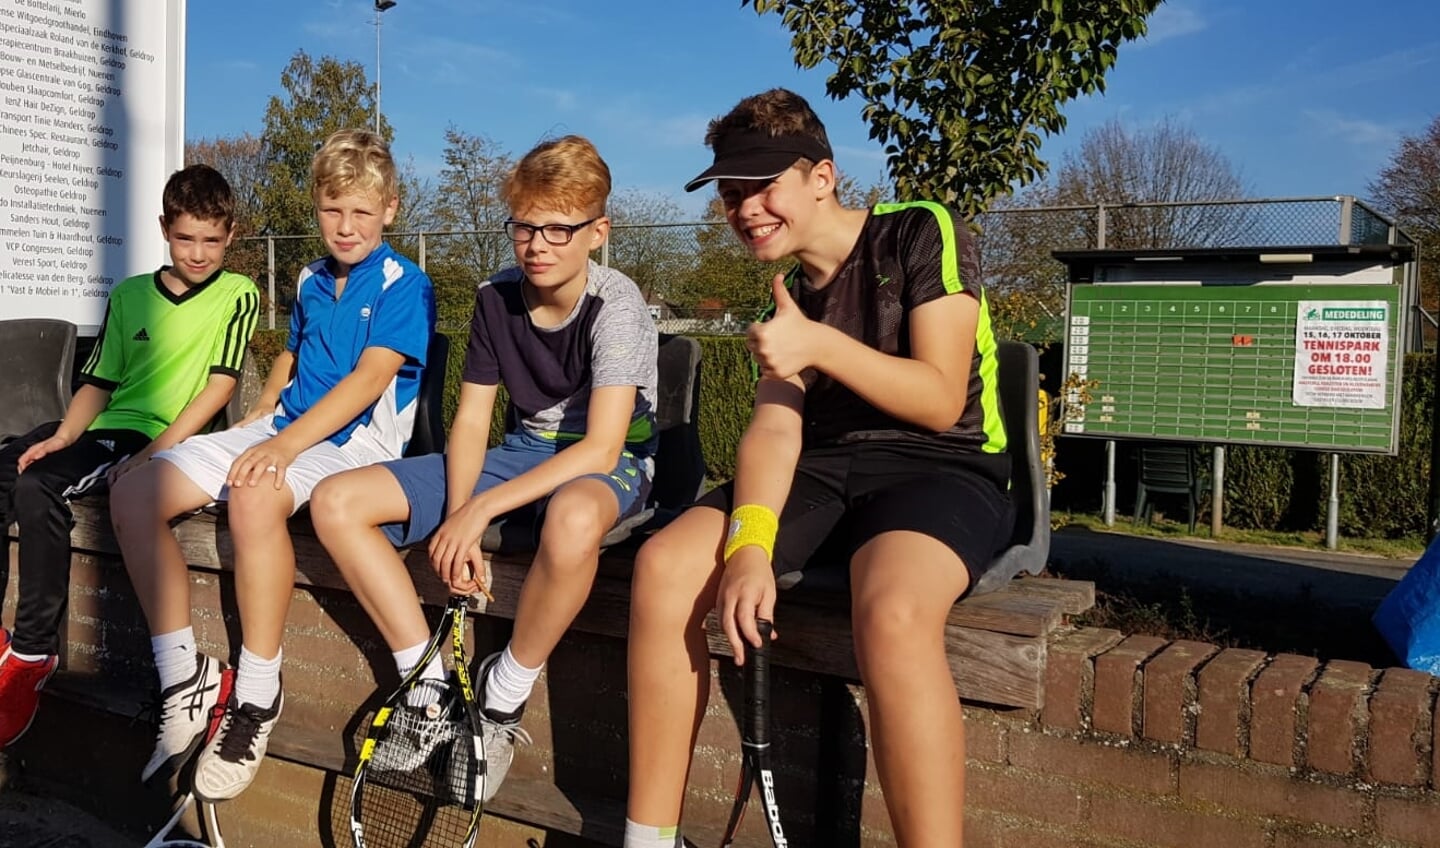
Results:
<point x="997" y="644"/>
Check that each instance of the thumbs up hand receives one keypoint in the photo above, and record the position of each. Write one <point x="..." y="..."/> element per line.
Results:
<point x="782" y="346"/>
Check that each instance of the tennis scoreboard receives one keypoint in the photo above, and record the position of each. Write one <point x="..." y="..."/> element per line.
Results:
<point x="1292" y="347"/>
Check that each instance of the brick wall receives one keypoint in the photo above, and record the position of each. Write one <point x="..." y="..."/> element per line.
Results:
<point x="1141" y="742"/>
<point x="1148" y="742"/>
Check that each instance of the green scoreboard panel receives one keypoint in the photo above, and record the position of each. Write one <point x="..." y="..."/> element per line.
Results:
<point x="1281" y="364"/>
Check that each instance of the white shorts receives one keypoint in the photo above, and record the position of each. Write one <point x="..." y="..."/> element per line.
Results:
<point x="206" y="459"/>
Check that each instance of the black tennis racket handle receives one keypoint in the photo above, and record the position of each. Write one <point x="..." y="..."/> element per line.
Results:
<point x="757" y="687"/>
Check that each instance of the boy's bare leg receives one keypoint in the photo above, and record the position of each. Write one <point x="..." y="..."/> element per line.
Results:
<point x="903" y="585"/>
<point x="677" y="575"/>
<point x="141" y="506"/>
<point x="579" y="515"/>
<point x="264" y="562"/>
<point x="347" y="511"/>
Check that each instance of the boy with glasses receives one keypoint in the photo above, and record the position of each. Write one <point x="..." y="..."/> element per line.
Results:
<point x="575" y="347"/>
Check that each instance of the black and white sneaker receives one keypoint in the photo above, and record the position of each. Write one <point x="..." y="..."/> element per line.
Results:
<point x="228" y="764"/>
<point x="498" y="732"/>
<point x="184" y="712"/>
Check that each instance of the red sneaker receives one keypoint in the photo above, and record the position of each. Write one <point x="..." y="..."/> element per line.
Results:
<point x="20" y="685"/>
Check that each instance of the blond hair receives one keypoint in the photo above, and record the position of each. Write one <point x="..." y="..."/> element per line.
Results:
<point x="562" y="175"/>
<point x="351" y="162"/>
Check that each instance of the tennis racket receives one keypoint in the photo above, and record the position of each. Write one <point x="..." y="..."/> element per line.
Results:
<point x="209" y="823"/>
<point x="755" y="743"/>
<point x="421" y="774"/>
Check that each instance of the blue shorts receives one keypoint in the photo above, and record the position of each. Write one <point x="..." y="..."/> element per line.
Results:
<point x="423" y="480"/>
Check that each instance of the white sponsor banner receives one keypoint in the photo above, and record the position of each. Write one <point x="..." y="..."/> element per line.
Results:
<point x="1342" y="350"/>
<point x="91" y="125"/>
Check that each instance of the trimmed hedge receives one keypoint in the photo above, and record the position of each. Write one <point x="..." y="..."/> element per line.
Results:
<point x="1380" y="496"/>
<point x="727" y="392"/>
<point x="1265" y="488"/>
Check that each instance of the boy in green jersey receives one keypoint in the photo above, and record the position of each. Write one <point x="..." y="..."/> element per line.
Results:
<point x="164" y="366"/>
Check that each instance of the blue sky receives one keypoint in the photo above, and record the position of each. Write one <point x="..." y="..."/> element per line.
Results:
<point x="1305" y="97"/>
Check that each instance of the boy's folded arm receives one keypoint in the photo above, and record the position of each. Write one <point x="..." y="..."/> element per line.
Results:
<point x="85" y="406"/>
<point x="282" y="371"/>
<point x="927" y="388"/>
<point x="199" y="412"/>
<point x="350" y="397"/>
<point x="606" y="423"/>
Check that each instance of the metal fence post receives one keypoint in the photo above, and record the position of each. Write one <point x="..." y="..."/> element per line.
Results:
<point x="1332" y="515"/>
<point x="1347" y="211"/>
<point x="1100" y="224"/>
<point x="422" y="252"/>
<point x="270" y="270"/>
<point x="1217" y="492"/>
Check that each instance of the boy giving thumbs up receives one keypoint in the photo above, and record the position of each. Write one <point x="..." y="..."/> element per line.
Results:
<point x="876" y="434"/>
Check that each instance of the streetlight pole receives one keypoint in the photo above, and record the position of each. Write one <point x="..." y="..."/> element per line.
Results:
<point x="380" y="6"/>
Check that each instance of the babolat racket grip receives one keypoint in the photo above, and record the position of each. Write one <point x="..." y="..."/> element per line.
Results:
<point x="757" y="699"/>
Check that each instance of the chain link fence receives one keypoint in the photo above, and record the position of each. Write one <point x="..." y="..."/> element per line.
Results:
<point x="700" y="280"/>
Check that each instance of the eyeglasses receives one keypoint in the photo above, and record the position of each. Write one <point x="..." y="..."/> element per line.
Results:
<point x="556" y="234"/>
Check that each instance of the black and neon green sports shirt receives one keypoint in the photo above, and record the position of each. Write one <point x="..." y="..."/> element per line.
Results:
<point x="908" y="254"/>
<point x="156" y="350"/>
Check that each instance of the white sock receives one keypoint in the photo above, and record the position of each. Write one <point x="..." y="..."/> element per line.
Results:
<point x="432" y="680"/>
<point x="645" y="836"/>
<point x="257" y="680"/>
<point x="174" y="656"/>
<point x="509" y="683"/>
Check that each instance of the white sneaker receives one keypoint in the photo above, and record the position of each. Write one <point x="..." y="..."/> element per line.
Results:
<point x="184" y="712"/>
<point x="230" y="761"/>
<point x="498" y="732"/>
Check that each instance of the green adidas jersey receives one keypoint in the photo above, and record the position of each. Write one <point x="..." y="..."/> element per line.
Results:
<point x="156" y="350"/>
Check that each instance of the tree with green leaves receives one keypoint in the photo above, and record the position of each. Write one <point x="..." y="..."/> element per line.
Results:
<point x="240" y="159"/>
<point x="467" y="209"/>
<point x="320" y="97"/>
<point x="725" y="278"/>
<point x="645" y="242"/>
<point x="960" y="93"/>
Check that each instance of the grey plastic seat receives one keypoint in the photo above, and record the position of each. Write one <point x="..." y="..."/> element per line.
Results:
<point x="679" y="464"/>
<point x="37" y="362"/>
<point x="1170" y="470"/>
<point x="1029" y="549"/>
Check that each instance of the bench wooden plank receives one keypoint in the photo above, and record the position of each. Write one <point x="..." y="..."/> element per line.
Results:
<point x="997" y="656"/>
<point x="1076" y="596"/>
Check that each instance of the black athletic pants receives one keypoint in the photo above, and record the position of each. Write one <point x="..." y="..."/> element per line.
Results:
<point x="39" y="502"/>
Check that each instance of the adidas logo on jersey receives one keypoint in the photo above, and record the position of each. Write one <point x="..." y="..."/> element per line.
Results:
<point x="141" y="336"/>
<point x="108" y="444"/>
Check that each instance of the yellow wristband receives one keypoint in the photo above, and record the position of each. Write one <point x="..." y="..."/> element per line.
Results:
<point x="752" y="524"/>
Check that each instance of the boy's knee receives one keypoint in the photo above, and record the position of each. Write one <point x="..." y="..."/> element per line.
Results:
<point x="33" y="491"/>
<point x="575" y="522"/>
<point x="257" y="508"/>
<point x="330" y="507"/>
<point x="659" y="566"/>
<point x="886" y="623"/>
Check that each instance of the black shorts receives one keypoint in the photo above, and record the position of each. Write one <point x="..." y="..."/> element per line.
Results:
<point x="842" y="497"/>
